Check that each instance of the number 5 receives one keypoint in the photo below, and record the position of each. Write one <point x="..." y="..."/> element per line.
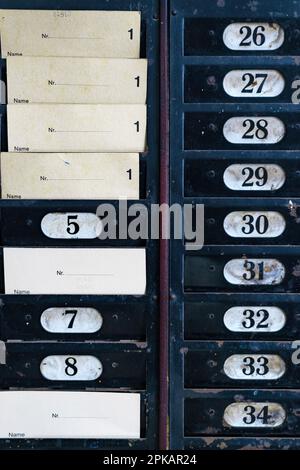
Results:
<point x="73" y="227"/>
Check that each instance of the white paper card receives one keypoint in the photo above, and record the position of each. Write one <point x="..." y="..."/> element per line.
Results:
<point x="69" y="415"/>
<point x="105" y="271"/>
<point x="69" y="176"/>
<point x="70" y="33"/>
<point x="76" y="128"/>
<point x="76" y="80"/>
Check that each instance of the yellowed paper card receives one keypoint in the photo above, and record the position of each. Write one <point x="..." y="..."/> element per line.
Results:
<point x="107" y="271"/>
<point x="69" y="415"/>
<point x="76" y="80"/>
<point x="76" y="128"/>
<point x="69" y="176"/>
<point x="70" y="33"/>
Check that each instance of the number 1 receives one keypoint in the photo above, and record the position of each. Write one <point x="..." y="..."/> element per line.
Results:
<point x="130" y="31"/>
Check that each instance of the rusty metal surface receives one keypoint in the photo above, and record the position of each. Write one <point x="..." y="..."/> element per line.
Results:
<point x="129" y="323"/>
<point x="164" y="244"/>
<point x="204" y="285"/>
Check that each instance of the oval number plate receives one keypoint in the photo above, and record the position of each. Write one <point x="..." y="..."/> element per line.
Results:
<point x="253" y="83"/>
<point x="253" y="36"/>
<point x="254" y="319"/>
<point x="254" y="224"/>
<point x="254" y="271"/>
<point x="254" y="177"/>
<point x="71" y="368"/>
<point x="71" y="225"/>
<point x="254" y="367"/>
<point x="71" y="320"/>
<point x="253" y="130"/>
<point x="254" y="415"/>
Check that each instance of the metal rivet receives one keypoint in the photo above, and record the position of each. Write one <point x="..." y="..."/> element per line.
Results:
<point x="213" y="127"/>
<point x="211" y="363"/>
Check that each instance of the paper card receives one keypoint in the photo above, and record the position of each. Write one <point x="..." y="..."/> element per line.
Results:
<point x="70" y="33"/>
<point x="69" y="415"/>
<point x="70" y="176"/>
<point x="105" y="271"/>
<point x="76" y="80"/>
<point x="76" y="128"/>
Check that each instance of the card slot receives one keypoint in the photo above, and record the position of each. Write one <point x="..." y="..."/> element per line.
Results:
<point x="70" y="33"/>
<point x="207" y="412"/>
<point x="69" y="415"/>
<point x="73" y="320"/>
<point x="76" y="80"/>
<point x="69" y="176"/>
<point x="75" y="271"/>
<point x="76" y="128"/>
<point x="74" y="366"/>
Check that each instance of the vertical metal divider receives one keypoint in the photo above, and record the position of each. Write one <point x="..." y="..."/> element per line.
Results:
<point x="177" y="246"/>
<point x="164" y="243"/>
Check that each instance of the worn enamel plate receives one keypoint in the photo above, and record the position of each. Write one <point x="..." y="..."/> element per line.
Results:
<point x="253" y="83"/>
<point x="71" y="367"/>
<point x="254" y="130"/>
<point x="254" y="319"/>
<point x="254" y="271"/>
<point x="71" y="320"/>
<point x="254" y="415"/>
<point x="254" y="367"/>
<point x="71" y="225"/>
<point x="254" y="177"/>
<point x="253" y="36"/>
<point x="254" y="224"/>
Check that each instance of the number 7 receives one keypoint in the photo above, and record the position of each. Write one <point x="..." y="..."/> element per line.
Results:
<point x="264" y="77"/>
<point x="71" y="312"/>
